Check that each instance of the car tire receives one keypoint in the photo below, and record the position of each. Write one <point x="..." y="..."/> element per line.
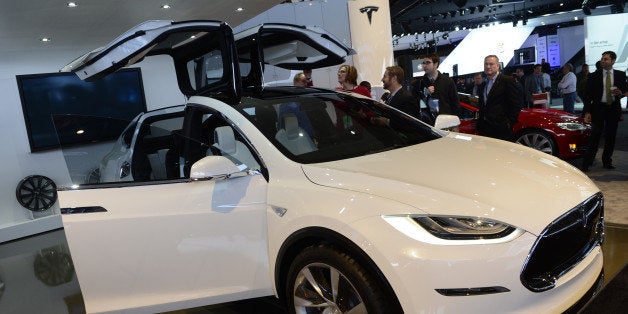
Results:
<point x="309" y="287"/>
<point x="539" y="140"/>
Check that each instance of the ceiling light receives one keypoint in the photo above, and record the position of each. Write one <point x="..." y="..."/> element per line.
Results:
<point x="72" y="4"/>
<point x="165" y="6"/>
<point x="239" y="9"/>
<point x="46" y="39"/>
<point x="79" y="132"/>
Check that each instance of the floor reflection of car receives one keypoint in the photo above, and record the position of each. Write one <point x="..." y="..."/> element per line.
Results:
<point x="551" y="131"/>
<point x="295" y="192"/>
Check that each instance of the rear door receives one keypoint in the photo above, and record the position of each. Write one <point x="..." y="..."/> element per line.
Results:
<point x="203" y="54"/>
<point x="286" y="46"/>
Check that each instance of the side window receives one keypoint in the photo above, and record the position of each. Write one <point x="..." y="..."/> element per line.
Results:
<point x="158" y="149"/>
<point x="205" y="70"/>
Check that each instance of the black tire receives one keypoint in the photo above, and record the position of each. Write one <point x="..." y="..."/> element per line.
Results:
<point x="356" y="289"/>
<point x="539" y="140"/>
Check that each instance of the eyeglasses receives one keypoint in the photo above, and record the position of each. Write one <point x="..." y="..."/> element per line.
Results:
<point x="426" y="62"/>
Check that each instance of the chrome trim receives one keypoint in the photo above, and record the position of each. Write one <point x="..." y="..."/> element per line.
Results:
<point x="120" y="184"/>
<point x="237" y="174"/>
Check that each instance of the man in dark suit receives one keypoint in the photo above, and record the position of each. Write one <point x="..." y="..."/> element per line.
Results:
<point x="500" y="102"/>
<point x="399" y="97"/>
<point x="602" y="109"/>
<point x="475" y="87"/>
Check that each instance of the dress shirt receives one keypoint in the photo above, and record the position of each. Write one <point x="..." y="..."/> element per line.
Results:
<point x="568" y="84"/>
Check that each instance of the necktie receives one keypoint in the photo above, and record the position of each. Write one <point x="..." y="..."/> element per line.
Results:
<point x="609" y="97"/>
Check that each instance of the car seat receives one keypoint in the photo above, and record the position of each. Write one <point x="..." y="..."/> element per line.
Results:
<point x="294" y="138"/>
<point x="233" y="149"/>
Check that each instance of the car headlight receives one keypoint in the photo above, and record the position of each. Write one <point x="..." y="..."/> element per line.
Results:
<point x="572" y="126"/>
<point x="452" y="230"/>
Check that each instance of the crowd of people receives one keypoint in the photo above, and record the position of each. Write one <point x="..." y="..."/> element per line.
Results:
<point x="501" y="96"/>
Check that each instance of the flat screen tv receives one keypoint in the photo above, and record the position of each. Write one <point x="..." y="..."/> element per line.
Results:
<point x="525" y="56"/>
<point x="118" y="96"/>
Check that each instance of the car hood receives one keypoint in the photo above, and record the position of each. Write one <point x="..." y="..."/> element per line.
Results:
<point x="551" y="114"/>
<point x="467" y="176"/>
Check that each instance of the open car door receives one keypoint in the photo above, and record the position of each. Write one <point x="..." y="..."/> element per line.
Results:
<point x="203" y="53"/>
<point x="157" y="238"/>
<point x="286" y="46"/>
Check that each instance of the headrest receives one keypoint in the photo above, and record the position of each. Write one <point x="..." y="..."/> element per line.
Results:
<point x="291" y="125"/>
<point x="224" y="139"/>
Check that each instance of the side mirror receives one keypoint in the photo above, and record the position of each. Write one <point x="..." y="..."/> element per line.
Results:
<point x="212" y="166"/>
<point x="446" y="122"/>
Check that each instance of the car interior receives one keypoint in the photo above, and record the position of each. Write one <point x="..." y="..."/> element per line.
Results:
<point x="168" y="145"/>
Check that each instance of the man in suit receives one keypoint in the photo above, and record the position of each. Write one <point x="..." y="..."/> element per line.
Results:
<point x="602" y="109"/>
<point x="500" y="102"/>
<point x="399" y="97"/>
<point x="475" y="88"/>
<point x="533" y="85"/>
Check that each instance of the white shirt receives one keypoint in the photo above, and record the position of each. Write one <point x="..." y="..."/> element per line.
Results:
<point x="568" y="84"/>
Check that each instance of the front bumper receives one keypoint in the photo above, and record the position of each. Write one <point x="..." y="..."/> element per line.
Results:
<point x="416" y="270"/>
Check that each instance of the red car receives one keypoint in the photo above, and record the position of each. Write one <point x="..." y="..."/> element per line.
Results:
<point x="552" y="131"/>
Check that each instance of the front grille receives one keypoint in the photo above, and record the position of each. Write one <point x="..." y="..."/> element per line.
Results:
<point x="563" y="244"/>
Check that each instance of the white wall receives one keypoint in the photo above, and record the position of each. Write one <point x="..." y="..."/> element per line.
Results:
<point x="16" y="160"/>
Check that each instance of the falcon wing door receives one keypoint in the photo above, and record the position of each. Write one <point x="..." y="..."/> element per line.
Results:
<point x="203" y="53"/>
<point x="286" y="46"/>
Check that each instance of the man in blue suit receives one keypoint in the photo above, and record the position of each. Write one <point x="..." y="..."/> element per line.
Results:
<point x="602" y="109"/>
<point x="500" y="102"/>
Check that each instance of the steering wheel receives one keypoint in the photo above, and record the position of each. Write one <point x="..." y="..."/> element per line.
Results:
<point x="36" y="193"/>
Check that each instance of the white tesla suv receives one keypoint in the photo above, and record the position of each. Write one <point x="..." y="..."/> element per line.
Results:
<point x="293" y="192"/>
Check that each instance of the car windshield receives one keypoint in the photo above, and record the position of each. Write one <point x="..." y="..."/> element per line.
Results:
<point x="324" y="127"/>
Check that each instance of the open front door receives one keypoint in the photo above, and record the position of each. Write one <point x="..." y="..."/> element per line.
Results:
<point x="286" y="46"/>
<point x="202" y="51"/>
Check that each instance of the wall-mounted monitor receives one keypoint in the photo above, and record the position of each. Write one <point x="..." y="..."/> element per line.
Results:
<point x="524" y="56"/>
<point x="119" y="96"/>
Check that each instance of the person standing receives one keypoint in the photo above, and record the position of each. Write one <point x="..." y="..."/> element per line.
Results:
<point x="300" y="80"/>
<point x="546" y="68"/>
<point x="602" y="109"/>
<point x="399" y="97"/>
<point x="348" y="79"/>
<point x="500" y="102"/>
<point x="567" y="87"/>
<point x="439" y="89"/>
<point x="581" y="81"/>
<point x="475" y="88"/>
<point x="533" y="85"/>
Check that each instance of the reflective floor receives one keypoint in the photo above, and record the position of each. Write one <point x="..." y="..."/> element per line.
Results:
<point x="37" y="276"/>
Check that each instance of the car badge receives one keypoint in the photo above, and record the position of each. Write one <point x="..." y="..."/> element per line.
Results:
<point x="369" y="11"/>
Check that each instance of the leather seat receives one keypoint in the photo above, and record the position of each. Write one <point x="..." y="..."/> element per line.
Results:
<point x="293" y="137"/>
<point x="233" y="149"/>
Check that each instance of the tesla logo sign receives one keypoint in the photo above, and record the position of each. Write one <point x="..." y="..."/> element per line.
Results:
<point x="369" y="11"/>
